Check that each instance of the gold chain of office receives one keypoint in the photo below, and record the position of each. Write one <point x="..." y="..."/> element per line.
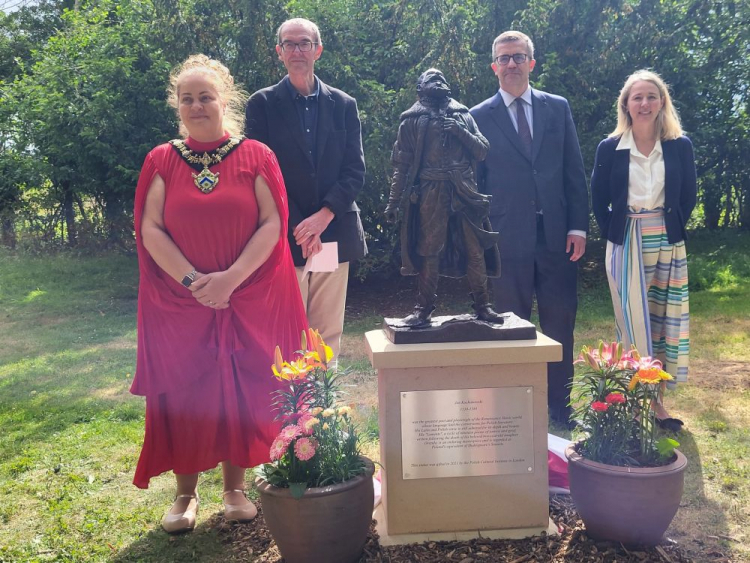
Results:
<point x="205" y="180"/>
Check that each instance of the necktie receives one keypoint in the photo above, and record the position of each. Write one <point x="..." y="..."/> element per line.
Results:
<point x="523" y="127"/>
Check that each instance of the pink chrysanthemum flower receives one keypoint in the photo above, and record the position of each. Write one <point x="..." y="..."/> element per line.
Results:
<point x="305" y="448"/>
<point x="599" y="406"/>
<point x="278" y="448"/>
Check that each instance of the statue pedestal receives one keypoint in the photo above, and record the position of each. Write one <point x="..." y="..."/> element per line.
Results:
<point x="463" y="438"/>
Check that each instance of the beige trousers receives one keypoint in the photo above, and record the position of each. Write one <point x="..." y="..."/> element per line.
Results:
<point x="324" y="298"/>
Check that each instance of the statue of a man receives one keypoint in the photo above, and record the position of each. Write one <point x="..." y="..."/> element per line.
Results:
<point x="446" y="229"/>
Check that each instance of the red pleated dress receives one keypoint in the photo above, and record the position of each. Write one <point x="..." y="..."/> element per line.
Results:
<point x="205" y="373"/>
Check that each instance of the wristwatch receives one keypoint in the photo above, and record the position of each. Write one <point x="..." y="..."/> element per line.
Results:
<point x="189" y="278"/>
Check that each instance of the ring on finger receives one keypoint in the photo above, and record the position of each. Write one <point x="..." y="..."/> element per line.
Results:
<point x="210" y="302"/>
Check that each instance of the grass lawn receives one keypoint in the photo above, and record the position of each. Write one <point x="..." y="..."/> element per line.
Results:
<point x="70" y="431"/>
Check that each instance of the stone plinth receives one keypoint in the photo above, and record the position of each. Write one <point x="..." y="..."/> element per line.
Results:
<point x="514" y="501"/>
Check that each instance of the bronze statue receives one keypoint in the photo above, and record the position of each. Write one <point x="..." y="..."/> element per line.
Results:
<point x="445" y="229"/>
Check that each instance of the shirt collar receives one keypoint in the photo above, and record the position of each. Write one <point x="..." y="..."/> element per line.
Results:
<point x="293" y="91"/>
<point x="510" y="98"/>
<point x="627" y="143"/>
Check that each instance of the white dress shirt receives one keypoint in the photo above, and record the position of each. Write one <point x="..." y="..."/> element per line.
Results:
<point x="645" y="175"/>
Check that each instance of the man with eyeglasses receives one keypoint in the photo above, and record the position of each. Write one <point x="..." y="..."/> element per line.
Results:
<point x="315" y="132"/>
<point x="534" y="172"/>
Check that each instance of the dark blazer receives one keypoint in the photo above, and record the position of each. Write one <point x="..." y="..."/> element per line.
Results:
<point x="339" y="170"/>
<point x="609" y="188"/>
<point x="555" y="172"/>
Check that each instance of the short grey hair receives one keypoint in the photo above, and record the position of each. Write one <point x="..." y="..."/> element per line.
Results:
<point x="510" y="37"/>
<point x="311" y="26"/>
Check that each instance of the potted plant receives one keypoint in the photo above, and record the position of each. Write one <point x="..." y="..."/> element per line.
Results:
<point x="626" y="479"/>
<point x="317" y="494"/>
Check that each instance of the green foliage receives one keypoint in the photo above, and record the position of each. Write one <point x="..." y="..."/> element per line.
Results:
<point x="665" y="446"/>
<point x="82" y="90"/>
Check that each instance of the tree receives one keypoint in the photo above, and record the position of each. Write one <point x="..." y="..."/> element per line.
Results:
<point x="92" y="105"/>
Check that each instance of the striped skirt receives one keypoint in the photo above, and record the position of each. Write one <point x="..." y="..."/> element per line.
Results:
<point x="648" y="280"/>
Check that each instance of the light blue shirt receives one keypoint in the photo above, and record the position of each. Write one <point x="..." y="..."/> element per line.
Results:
<point x="510" y="105"/>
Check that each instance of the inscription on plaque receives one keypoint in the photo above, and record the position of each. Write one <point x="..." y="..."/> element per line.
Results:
<point x="467" y="432"/>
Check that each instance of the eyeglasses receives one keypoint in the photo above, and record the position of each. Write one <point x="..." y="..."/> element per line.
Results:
<point x="303" y="46"/>
<point x="518" y="58"/>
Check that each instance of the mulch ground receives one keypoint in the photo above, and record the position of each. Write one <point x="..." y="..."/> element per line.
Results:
<point x="253" y="542"/>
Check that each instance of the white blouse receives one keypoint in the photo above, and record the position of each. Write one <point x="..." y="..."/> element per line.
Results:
<point x="646" y="175"/>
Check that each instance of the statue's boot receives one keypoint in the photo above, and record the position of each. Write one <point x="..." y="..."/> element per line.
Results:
<point x="427" y="285"/>
<point x="484" y="310"/>
<point x="420" y="316"/>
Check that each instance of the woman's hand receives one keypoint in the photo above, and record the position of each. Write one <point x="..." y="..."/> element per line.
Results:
<point x="213" y="290"/>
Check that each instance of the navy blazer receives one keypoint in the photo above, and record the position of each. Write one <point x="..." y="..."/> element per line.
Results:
<point x="336" y="176"/>
<point x="555" y="172"/>
<point x="609" y="188"/>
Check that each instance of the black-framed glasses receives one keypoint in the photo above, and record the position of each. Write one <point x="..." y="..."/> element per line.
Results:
<point x="518" y="58"/>
<point x="303" y="46"/>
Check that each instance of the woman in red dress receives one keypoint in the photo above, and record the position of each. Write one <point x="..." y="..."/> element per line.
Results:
<point x="217" y="293"/>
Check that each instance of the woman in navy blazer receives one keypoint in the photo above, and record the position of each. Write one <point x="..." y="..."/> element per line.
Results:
<point x="643" y="190"/>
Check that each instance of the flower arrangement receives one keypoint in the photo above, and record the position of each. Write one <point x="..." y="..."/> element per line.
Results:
<point x="318" y="444"/>
<point x="612" y="401"/>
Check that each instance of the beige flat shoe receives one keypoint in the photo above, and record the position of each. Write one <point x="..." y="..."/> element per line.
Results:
<point x="179" y="522"/>
<point x="239" y="512"/>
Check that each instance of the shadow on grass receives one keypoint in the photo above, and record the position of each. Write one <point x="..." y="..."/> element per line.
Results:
<point x="213" y="541"/>
<point x="698" y="502"/>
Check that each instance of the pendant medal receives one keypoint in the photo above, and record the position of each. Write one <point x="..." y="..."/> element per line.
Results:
<point x="206" y="181"/>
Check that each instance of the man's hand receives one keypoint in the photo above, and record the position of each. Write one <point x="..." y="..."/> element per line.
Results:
<point x="577" y="244"/>
<point x="311" y="247"/>
<point x="313" y="226"/>
<point x="391" y="213"/>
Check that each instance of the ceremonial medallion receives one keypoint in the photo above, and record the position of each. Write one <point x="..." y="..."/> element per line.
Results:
<point x="205" y="180"/>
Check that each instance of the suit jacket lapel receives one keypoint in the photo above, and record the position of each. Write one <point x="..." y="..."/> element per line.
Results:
<point x="326" y="105"/>
<point x="287" y="109"/>
<point x="539" y="109"/>
<point x="502" y="119"/>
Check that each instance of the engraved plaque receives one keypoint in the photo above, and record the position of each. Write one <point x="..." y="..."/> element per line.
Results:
<point x="467" y="432"/>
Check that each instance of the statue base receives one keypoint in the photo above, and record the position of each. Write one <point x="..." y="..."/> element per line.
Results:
<point x="459" y="328"/>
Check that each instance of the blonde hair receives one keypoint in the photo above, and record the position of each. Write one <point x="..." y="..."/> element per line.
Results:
<point x="229" y="93"/>
<point x="667" y="121"/>
<point x="510" y="37"/>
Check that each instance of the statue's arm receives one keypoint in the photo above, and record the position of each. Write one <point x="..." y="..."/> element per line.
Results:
<point x="402" y="159"/>
<point x="467" y="132"/>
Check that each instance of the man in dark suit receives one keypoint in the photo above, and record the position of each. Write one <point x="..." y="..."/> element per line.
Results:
<point x="315" y="132"/>
<point x="534" y="172"/>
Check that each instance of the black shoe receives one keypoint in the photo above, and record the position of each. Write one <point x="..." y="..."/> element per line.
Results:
<point x="487" y="314"/>
<point x="419" y="318"/>
<point x="671" y="424"/>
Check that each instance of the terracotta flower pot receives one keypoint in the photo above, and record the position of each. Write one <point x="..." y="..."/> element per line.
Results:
<point x="327" y="524"/>
<point x="632" y="505"/>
